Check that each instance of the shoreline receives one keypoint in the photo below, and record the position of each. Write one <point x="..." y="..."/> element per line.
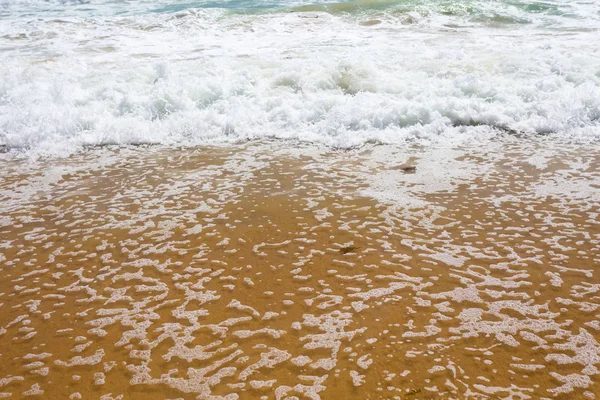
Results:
<point x="332" y="273"/>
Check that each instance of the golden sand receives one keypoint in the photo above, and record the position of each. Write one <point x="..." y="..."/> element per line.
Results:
<point x="280" y="271"/>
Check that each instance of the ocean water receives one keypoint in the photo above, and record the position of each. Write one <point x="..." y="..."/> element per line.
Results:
<point x="77" y="73"/>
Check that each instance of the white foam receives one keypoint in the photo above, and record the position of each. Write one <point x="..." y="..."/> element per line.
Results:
<point x="111" y="79"/>
<point x="357" y="379"/>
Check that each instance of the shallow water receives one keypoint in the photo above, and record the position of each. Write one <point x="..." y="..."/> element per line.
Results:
<point x="278" y="270"/>
<point x="299" y="199"/>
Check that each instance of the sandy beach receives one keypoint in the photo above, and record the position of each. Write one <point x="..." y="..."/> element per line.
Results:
<point x="270" y="270"/>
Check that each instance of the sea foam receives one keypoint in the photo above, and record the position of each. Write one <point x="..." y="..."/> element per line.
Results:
<point x="73" y="78"/>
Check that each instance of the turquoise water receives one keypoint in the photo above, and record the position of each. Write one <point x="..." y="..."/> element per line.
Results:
<point x="503" y="11"/>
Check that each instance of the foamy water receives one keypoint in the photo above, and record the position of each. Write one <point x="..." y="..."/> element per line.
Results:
<point x="268" y="246"/>
<point x="295" y="272"/>
<point x="78" y="73"/>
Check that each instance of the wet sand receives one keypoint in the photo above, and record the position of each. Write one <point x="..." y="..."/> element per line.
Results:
<point x="279" y="270"/>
